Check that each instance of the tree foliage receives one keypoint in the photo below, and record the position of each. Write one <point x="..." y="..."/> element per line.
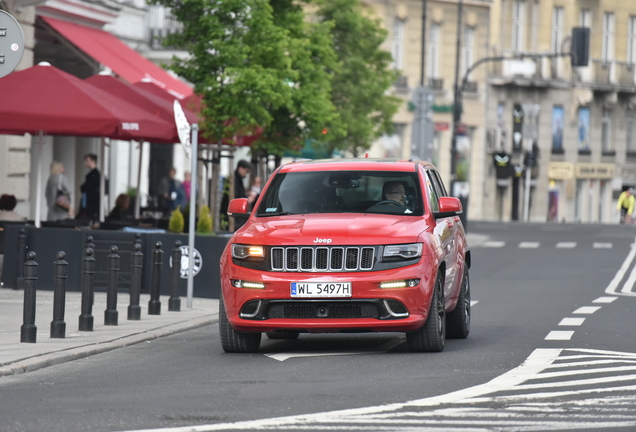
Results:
<point x="363" y="77"/>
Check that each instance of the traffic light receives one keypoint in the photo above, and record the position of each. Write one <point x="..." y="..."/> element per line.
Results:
<point x="580" y="47"/>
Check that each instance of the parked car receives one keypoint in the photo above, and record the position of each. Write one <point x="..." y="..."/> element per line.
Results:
<point x="357" y="245"/>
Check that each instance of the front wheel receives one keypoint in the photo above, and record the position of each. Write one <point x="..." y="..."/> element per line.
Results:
<point x="458" y="321"/>
<point x="432" y="336"/>
<point x="235" y="341"/>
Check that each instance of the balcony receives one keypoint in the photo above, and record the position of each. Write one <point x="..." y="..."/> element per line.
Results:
<point x="436" y="83"/>
<point x="402" y="82"/>
<point x="162" y="24"/>
<point x="626" y="74"/>
<point x="604" y="72"/>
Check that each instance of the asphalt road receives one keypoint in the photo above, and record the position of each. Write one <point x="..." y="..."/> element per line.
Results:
<point x="551" y="348"/>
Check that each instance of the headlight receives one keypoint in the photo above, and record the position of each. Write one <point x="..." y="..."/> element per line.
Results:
<point x="406" y="251"/>
<point x="246" y="251"/>
<point x="246" y="284"/>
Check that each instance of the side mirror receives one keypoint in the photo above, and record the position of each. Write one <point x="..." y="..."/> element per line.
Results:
<point x="238" y="208"/>
<point x="448" y="206"/>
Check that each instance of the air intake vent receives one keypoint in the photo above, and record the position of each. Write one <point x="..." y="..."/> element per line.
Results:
<point x="322" y="259"/>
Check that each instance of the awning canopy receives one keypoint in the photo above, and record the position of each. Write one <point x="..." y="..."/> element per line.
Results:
<point x="108" y="50"/>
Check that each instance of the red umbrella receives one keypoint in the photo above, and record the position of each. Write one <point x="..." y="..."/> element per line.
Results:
<point x="46" y="99"/>
<point x="141" y="98"/>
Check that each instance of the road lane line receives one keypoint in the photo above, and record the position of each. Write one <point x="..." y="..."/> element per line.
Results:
<point x="602" y="245"/>
<point x="494" y="244"/>
<point x="566" y="245"/>
<point x="618" y="277"/>
<point x="571" y="321"/>
<point x="604" y="300"/>
<point x="587" y="310"/>
<point x="529" y="245"/>
<point x="560" y="335"/>
<point x="474" y="302"/>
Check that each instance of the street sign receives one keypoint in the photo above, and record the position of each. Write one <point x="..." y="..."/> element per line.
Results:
<point x="11" y="43"/>
<point x="183" y="127"/>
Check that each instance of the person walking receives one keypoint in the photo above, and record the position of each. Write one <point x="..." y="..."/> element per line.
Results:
<point x="625" y="205"/>
<point x="89" y="206"/>
<point x="59" y="195"/>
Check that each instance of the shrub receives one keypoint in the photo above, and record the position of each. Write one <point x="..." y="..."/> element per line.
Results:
<point x="204" y="225"/>
<point x="177" y="222"/>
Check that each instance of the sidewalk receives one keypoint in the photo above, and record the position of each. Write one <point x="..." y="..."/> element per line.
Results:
<point x="16" y="357"/>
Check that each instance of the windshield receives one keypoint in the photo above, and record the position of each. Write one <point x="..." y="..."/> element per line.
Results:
<point x="343" y="192"/>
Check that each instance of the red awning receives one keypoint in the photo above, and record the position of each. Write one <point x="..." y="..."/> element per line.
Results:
<point x="115" y="54"/>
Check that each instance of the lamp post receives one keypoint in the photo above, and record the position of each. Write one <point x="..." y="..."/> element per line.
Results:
<point x="457" y="114"/>
<point x="423" y="58"/>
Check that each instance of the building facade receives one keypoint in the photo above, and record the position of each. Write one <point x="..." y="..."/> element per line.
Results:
<point x="584" y="125"/>
<point x="403" y="21"/>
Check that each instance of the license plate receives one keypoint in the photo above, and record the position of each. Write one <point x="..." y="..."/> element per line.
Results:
<point x="321" y="289"/>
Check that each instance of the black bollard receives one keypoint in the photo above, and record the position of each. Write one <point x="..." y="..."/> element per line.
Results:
<point x="89" y="242"/>
<point x="154" y="305"/>
<point x="29" y="331"/>
<point x="110" y="314"/>
<point x="19" y="277"/>
<point x="88" y="278"/>
<point x="174" y="303"/>
<point x="137" y="238"/>
<point x="60" y="273"/>
<point x="136" y="265"/>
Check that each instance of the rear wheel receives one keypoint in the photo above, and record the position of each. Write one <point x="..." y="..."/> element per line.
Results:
<point x="234" y="341"/>
<point x="283" y="334"/>
<point x="458" y="321"/>
<point x="432" y="336"/>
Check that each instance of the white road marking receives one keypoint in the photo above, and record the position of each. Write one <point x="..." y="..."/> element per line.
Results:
<point x="566" y="245"/>
<point x="494" y="244"/>
<point x="604" y="300"/>
<point x="529" y="245"/>
<point x="587" y="310"/>
<point x="618" y="277"/>
<point x="602" y="245"/>
<point x="380" y="350"/>
<point x="571" y="321"/>
<point x="474" y="302"/>
<point x="559" y="335"/>
<point x="519" y="400"/>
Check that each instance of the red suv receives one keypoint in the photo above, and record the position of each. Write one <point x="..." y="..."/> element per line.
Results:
<point x="347" y="246"/>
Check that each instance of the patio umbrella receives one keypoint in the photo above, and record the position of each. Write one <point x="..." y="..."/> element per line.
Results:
<point x="46" y="99"/>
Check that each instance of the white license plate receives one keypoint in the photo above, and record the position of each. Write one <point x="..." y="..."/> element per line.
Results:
<point x="321" y="289"/>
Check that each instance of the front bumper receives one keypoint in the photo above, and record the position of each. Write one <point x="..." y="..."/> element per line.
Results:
<point x="370" y="308"/>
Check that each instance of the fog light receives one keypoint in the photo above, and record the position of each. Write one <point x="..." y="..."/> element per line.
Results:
<point x="400" y="284"/>
<point x="245" y="284"/>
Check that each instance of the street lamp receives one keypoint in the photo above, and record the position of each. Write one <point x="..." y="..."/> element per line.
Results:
<point x="457" y="115"/>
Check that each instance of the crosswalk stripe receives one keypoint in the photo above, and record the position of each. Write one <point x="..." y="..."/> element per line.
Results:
<point x="559" y="335"/>
<point x="571" y="321"/>
<point x="587" y="310"/>
<point x="604" y="300"/>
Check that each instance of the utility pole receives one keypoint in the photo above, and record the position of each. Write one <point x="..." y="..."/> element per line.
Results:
<point x="423" y="58"/>
<point x="457" y="110"/>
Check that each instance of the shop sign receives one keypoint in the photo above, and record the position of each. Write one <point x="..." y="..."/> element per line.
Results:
<point x="560" y="170"/>
<point x="594" y="171"/>
<point x="442" y="126"/>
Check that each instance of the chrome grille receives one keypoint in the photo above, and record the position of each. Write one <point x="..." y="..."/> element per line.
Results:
<point x="322" y="259"/>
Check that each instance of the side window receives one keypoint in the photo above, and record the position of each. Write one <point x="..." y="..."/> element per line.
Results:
<point x="433" y="197"/>
<point x="439" y="184"/>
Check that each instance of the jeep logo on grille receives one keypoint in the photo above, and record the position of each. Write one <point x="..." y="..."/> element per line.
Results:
<point x="319" y="240"/>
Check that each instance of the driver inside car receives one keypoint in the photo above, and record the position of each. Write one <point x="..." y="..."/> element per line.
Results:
<point x="394" y="191"/>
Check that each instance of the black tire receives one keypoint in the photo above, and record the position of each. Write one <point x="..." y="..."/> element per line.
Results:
<point x="458" y="321"/>
<point x="234" y="341"/>
<point x="286" y="334"/>
<point x="432" y="336"/>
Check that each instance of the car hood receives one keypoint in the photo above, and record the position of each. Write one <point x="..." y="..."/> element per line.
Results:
<point x="333" y="229"/>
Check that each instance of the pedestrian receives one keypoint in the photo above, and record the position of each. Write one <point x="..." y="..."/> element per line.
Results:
<point x="59" y="195"/>
<point x="89" y="205"/>
<point x="171" y="192"/>
<point x="625" y="205"/>
<point x="187" y="182"/>
<point x="120" y="211"/>
<point x="243" y="168"/>
<point x="7" y="204"/>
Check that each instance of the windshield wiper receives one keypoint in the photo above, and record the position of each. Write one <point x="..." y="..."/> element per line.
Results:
<point x="275" y="214"/>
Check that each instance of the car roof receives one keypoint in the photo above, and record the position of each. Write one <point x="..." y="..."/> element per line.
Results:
<point x="366" y="164"/>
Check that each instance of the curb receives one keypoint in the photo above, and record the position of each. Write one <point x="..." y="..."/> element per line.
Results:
<point x="55" y="358"/>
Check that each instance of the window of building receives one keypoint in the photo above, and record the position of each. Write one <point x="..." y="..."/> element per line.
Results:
<point x="557" y="129"/>
<point x="631" y="40"/>
<point x="606" y="131"/>
<point x="585" y="18"/>
<point x="584" y="129"/>
<point x="433" y="51"/>
<point x="607" y="50"/>
<point x="557" y="29"/>
<point x="467" y="50"/>
<point x="518" y="25"/>
<point x="397" y="43"/>
<point x="630" y="144"/>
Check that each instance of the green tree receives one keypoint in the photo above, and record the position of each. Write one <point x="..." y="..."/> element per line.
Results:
<point x="238" y="62"/>
<point x="363" y="77"/>
<point x="313" y="61"/>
